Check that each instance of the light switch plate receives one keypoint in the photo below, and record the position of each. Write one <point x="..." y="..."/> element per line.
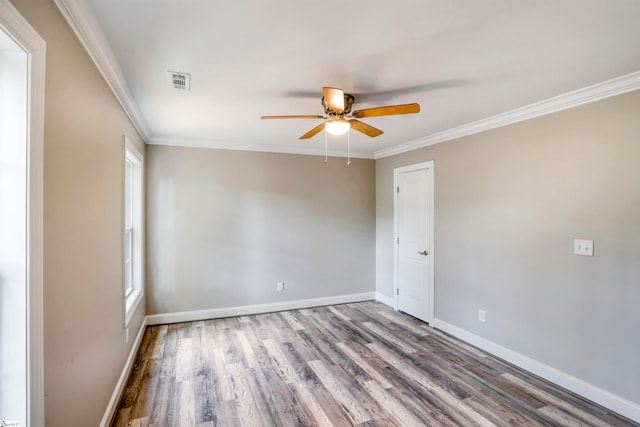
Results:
<point x="583" y="247"/>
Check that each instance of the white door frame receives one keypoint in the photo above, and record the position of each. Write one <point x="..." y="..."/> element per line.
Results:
<point x="13" y="23"/>
<point x="396" y="234"/>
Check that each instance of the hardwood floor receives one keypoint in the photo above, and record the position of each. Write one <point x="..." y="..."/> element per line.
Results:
<point x="356" y="364"/>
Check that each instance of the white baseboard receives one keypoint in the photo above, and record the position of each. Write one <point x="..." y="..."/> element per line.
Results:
<point x="124" y="376"/>
<point x="190" y="316"/>
<point x="602" y="397"/>
<point x="385" y="300"/>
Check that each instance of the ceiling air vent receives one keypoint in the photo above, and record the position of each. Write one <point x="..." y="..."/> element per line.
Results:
<point x="181" y="81"/>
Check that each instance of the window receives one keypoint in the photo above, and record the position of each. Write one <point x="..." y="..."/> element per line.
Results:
<point x="133" y="262"/>
<point x="128" y="228"/>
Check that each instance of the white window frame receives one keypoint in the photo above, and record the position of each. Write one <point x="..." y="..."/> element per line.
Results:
<point x="133" y="268"/>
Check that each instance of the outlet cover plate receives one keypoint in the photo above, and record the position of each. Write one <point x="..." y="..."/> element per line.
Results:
<point x="583" y="247"/>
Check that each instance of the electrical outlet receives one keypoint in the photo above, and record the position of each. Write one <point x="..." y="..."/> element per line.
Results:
<point x="280" y="286"/>
<point x="481" y="316"/>
<point x="583" y="247"/>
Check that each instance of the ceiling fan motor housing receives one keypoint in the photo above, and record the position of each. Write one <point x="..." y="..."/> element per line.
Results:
<point x="348" y="102"/>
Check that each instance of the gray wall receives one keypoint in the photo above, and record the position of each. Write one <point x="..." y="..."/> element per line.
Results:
<point x="224" y="226"/>
<point x="84" y="338"/>
<point x="508" y="204"/>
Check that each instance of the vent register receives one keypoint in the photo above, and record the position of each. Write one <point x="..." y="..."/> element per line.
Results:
<point x="180" y="81"/>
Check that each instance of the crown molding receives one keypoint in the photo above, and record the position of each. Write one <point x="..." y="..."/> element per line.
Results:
<point x="606" y="89"/>
<point x="85" y="26"/>
<point x="267" y="148"/>
<point x="88" y="31"/>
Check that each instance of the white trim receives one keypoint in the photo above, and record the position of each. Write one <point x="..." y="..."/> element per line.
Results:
<point x="429" y="165"/>
<point x="605" y="398"/>
<point x="23" y="33"/>
<point x="301" y="148"/>
<point x="86" y="28"/>
<point x="124" y="376"/>
<point x="128" y="145"/>
<point x="133" y="300"/>
<point x="385" y="299"/>
<point x="131" y="304"/>
<point x="607" y="89"/>
<point x="214" y="313"/>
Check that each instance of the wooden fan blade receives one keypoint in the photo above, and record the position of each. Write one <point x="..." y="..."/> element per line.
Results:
<point x="387" y="111"/>
<point x="365" y="128"/>
<point x="292" y="117"/>
<point x="334" y="98"/>
<point x="313" y="131"/>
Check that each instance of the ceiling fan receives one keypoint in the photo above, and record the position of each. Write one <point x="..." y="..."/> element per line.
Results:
<point x="339" y="118"/>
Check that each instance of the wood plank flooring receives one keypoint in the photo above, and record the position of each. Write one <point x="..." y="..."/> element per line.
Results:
<point x="356" y="364"/>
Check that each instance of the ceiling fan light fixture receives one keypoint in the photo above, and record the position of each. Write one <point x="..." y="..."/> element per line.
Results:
<point x="337" y="127"/>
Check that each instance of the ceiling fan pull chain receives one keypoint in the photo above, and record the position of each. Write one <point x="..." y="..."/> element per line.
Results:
<point x="325" y="148"/>
<point x="348" y="147"/>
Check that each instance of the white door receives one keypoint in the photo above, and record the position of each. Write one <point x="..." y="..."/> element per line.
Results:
<point x="414" y="232"/>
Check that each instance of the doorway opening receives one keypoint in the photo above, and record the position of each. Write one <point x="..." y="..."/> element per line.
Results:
<point x="22" y="77"/>
<point x="13" y="229"/>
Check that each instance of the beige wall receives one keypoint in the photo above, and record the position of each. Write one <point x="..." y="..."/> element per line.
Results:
<point x="85" y="346"/>
<point x="224" y="226"/>
<point x="508" y="204"/>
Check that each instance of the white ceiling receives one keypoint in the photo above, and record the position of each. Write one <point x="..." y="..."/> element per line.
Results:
<point x="462" y="61"/>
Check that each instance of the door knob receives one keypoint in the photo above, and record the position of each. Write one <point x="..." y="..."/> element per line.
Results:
<point x="425" y="253"/>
